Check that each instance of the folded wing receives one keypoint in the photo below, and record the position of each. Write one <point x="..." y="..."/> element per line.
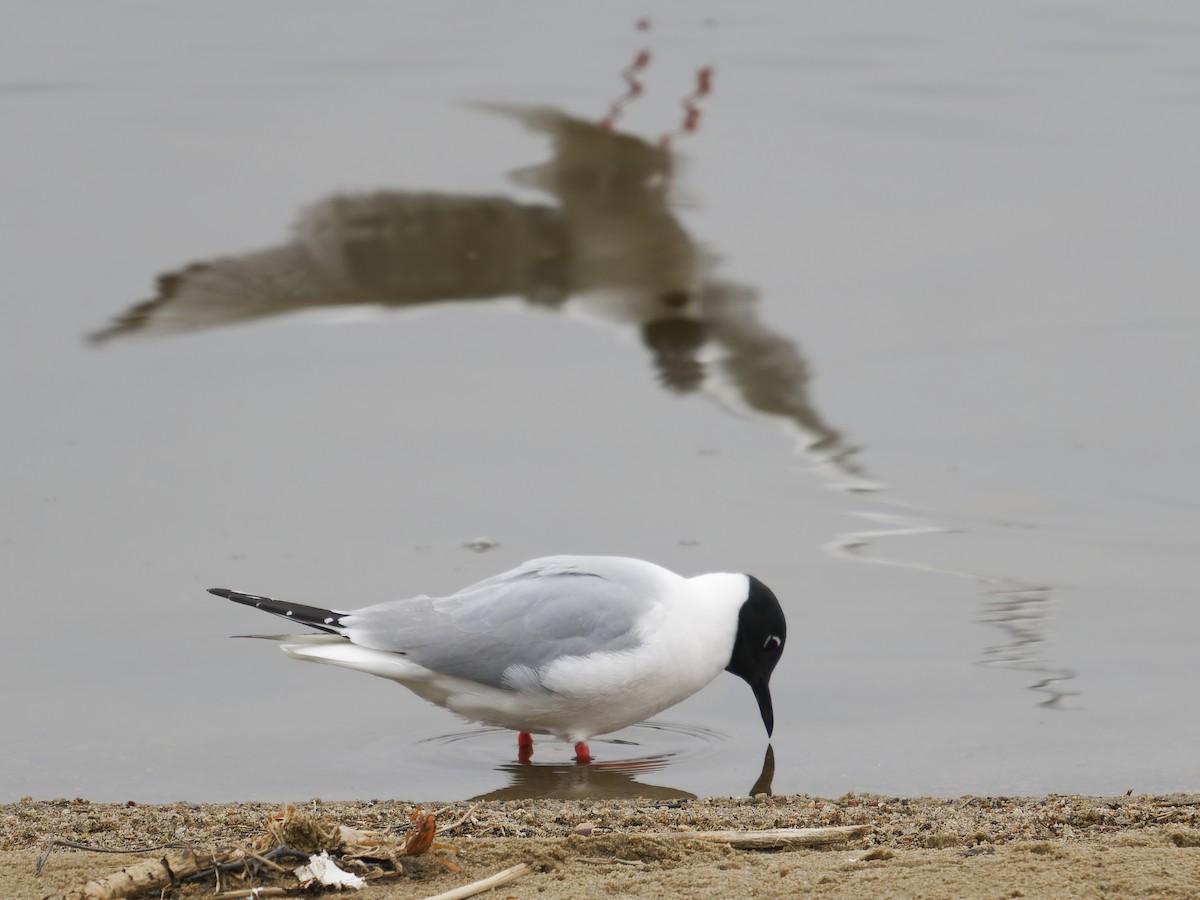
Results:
<point x="503" y="631"/>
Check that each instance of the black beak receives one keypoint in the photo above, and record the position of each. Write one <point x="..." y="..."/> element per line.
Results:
<point x="762" y="693"/>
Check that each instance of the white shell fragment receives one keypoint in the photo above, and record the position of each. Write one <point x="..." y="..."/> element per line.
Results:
<point x="324" y="871"/>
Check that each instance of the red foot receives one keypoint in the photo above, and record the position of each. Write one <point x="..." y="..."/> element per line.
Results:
<point x="582" y="753"/>
<point x="524" y="747"/>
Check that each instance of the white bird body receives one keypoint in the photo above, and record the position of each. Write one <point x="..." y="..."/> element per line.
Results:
<point x="568" y="646"/>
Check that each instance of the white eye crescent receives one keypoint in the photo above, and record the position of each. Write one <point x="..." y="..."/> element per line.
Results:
<point x="772" y="642"/>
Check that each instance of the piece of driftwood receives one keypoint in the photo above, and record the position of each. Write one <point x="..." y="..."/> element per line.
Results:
<point x="151" y="875"/>
<point x="484" y="884"/>
<point x="773" y="838"/>
<point x="56" y="841"/>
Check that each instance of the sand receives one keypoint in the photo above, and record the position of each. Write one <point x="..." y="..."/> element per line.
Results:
<point x="1054" y="846"/>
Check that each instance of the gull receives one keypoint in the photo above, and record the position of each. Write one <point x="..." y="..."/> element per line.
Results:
<point x="567" y="646"/>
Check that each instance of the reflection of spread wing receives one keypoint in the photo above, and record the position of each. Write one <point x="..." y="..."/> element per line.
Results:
<point x="504" y="630"/>
<point x="222" y="291"/>
<point x="389" y="248"/>
<point x="610" y="229"/>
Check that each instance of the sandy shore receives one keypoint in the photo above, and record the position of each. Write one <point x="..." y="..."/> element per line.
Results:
<point x="1054" y="846"/>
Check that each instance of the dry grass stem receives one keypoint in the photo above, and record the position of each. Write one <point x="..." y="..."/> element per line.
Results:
<point x="484" y="884"/>
<point x="469" y="813"/>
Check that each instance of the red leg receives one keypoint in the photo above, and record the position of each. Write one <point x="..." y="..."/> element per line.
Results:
<point x="524" y="746"/>
<point x="582" y="753"/>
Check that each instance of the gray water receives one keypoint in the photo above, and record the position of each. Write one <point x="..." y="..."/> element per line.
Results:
<point x="905" y="326"/>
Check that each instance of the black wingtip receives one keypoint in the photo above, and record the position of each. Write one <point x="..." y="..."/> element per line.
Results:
<point x="313" y="616"/>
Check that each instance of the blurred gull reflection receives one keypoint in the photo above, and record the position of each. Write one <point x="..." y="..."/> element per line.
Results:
<point x="766" y="777"/>
<point x="597" y="781"/>
<point x="604" y="780"/>
<point x="609" y="250"/>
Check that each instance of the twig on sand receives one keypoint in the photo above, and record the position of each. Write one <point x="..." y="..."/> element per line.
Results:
<point x="470" y="812"/>
<point x="485" y="884"/>
<point x="609" y="860"/>
<point x="270" y="864"/>
<point x="772" y="838"/>
<point x="238" y="861"/>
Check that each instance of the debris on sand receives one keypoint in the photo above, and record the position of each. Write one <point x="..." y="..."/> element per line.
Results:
<point x="291" y="833"/>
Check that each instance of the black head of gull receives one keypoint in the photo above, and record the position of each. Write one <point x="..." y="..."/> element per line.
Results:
<point x="761" y="634"/>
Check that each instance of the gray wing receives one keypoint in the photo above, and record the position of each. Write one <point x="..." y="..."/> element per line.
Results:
<point x="503" y="630"/>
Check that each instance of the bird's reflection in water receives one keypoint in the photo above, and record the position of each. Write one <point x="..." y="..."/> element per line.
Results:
<point x="620" y="772"/>
<point x="604" y="780"/>
<point x="766" y="777"/>
<point x="609" y="249"/>
<point x="595" y="781"/>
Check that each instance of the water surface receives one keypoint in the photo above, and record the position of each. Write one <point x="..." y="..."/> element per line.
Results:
<point x="903" y="324"/>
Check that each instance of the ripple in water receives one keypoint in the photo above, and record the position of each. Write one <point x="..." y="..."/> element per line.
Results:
<point x="649" y="745"/>
<point x="620" y="761"/>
